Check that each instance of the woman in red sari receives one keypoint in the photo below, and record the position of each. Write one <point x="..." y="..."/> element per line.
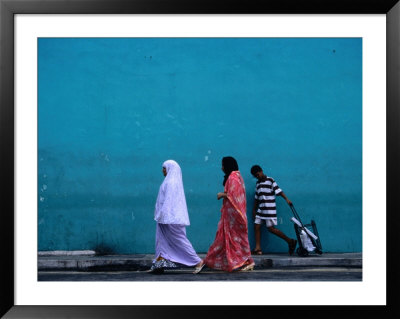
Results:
<point x="230" y="250"/>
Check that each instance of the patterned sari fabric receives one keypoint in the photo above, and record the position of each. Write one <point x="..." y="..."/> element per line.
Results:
<point x="231" y="248"/>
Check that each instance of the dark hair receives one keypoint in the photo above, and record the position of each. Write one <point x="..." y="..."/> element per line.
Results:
<point x="255" y="169"/>
<point x="230" y="165"/>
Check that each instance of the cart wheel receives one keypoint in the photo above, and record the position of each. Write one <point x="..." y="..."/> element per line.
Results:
<point x="302" y="252"/>
<point x="318" y="251"/>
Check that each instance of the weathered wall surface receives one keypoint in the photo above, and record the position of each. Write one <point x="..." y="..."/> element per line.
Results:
<point x="111" y="111"/>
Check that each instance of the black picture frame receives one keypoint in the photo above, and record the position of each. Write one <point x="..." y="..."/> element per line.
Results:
<point x="9" y="8"/>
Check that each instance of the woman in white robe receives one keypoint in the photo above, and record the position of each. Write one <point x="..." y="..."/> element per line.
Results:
<point x="173" y="249"/>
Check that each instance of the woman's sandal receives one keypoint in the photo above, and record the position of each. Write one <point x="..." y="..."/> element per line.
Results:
<point x="257" y="252"/>
<point x="248" y="267"/>
<point x="198" y="269"/>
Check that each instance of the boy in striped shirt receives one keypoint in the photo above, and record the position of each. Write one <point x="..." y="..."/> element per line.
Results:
<point x="264" y="209"/>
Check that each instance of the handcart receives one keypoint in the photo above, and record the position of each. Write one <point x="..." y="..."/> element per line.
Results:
<point x="308" y="240"/>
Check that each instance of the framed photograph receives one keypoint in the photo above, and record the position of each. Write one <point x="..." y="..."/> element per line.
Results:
<point x="42" y="40"/>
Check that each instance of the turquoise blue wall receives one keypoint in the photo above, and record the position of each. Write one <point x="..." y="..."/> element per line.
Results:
<point x="111" y="111"/>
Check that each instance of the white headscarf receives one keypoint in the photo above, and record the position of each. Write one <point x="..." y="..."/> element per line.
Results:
<point x="171" y="202"/>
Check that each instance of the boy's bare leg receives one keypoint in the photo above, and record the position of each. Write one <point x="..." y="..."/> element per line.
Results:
<point x="291" y="242"/>
<point x="257" y="235"/>
<point x="279" y="233"/>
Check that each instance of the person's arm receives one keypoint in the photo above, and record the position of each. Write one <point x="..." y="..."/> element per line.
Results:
<point x="255" y="206"/>
<point x="287" y="199"/>
<point x="221" y="195"/>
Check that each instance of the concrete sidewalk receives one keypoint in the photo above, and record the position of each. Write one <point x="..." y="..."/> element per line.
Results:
<point x="89" y="261"/>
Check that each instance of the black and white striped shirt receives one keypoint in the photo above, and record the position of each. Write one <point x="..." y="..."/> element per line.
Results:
<point x="266" y="192"/>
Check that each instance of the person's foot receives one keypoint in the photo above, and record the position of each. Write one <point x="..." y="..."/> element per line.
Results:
<point x="257" y="252"/>
<point x="292" y="246"/>
<point x="199" y="267"/>
<point x="248" y="267"/>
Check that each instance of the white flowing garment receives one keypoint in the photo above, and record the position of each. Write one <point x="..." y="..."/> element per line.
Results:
<point x="171" y="202"/>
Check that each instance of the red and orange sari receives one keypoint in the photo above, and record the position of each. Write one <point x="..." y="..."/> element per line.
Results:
<point x="231" y="249"/>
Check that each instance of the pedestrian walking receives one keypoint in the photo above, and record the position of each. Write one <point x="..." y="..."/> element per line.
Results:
<point x="264" y="209"/>
<point x="173" y="248"/>
<point x="230" y="250"/>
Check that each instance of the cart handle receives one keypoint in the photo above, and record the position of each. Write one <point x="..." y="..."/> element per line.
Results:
<point x="296" y="215"/>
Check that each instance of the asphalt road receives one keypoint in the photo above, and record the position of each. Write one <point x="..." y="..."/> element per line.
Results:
<point x="283" y="274"/>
